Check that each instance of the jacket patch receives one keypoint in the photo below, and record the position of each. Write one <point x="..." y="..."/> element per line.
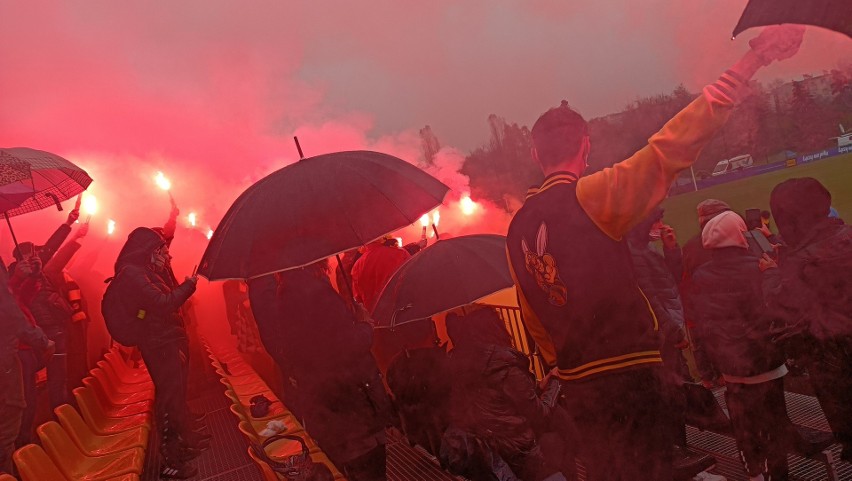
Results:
<point x="543" y="267"/>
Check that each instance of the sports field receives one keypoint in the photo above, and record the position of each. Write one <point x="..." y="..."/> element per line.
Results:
<point x="753" y="192"/>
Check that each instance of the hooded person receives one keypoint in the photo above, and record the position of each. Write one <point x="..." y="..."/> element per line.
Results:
<point x="141" y="270"/>
<point x="494" y="404"/>
<point x="729" y="304"/>
<point x="341" y="399"/>
<point x="813" y="296"/>
<point x="694" y="255"/>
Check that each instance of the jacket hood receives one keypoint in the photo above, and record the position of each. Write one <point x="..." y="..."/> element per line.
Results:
<point x="799" y="206"/>
<point x="141" y="243"/>
<point x="725" y="230"/>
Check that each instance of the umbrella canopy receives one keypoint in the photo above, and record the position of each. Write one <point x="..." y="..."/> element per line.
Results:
<point x="316" y="208"/>
<point x="448" y="274"/>
<point x="832" y="14"/>
<point x="52" y="179"/>
<point x="15" y="181"/>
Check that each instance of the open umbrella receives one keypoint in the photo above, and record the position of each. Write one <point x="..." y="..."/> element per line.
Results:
<point x="52" y="179"/>
<point x="831" y="14"/>
<point x="15" y="182"/>
<point x="316" y="208"/>
<point x="448" y="274"/>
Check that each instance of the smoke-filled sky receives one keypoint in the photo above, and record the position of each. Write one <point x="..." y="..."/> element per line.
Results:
<point x="212" y="91"/>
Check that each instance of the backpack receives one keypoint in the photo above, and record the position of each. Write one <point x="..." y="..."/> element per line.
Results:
<point x="119" y="316"/>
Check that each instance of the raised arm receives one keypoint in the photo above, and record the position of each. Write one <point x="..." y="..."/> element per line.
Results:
<point x="618" y="197"/>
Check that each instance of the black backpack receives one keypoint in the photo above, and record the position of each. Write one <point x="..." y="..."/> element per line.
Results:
<point x="120" y="317"/>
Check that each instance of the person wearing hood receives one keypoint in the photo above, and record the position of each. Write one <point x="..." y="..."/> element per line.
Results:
<point x="148" y="287"/>
<point x="494" y="404"/>
<point x="729" y="304"/>
<point x="341" y="399"/>
<point x="813" y="296"/>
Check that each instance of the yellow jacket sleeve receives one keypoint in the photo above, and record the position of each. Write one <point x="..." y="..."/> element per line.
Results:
<point x="619" y="197"/>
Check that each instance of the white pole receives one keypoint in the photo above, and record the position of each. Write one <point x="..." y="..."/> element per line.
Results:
<point x="694" y="183"/>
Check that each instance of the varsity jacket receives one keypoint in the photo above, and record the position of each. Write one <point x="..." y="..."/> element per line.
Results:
<point x="579" y="295"/>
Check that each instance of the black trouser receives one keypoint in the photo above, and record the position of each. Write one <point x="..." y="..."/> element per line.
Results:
<point x="761" y="426"/>
<point x="31" y="363"/>
<point x="166" y="366"/>
<point x="371" y="466"/>
<point x="57" y="365"/>
<point x="672" y="378"/>
<point x="618" y="418"/>
<point x="78" y="363"/>
<point x="10" y="425"/>
<point x="830" y="371"/>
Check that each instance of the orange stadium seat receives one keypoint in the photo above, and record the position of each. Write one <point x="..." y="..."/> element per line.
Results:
<point x="110" y="397"/>
<point x="101" y="422"/>
<point x="79" y="467"/>
<point x="93" y="444"/>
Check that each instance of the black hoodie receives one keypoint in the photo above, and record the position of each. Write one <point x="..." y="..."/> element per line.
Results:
<point x="149" y="291"/>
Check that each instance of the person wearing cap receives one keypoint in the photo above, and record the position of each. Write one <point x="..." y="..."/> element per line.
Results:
<point x="571" y="266"/>
<point x="813" y="296"/>
<point x="736" y="327"/>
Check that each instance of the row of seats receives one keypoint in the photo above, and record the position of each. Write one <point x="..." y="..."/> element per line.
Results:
<point x="105" y="438"/>
<point x="242" y="383"/>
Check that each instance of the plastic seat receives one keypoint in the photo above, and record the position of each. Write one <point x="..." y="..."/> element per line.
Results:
<point x="127" y="373"/>
<point x="112" y="396"/>
<point x="111" y="380"/>
<point x="292" y="425"/>
<point x="269" y="474"/>
<point x="143" y="380"/>
<point x="282" y="448"/>
<point x="77" y="466"/>
<point x="7" y="477"/>
<point x="100" y="422"/>
<point x="35" y="465"/>
<point x="93" y="444"/>
<point x="111" y="408"/>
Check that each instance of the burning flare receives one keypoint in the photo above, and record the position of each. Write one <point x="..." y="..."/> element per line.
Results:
<point x="191" y="218"/>
<point x="468" y="206"/>
<point x="436" y="217"/>
<point x="209" y="234"/>
<point x="90" y="205"/>
<point x="162" y="182"/>
<point x="424" y="220"/>
<point x="110" y="227"/>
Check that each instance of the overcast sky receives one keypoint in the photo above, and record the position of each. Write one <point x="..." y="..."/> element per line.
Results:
<point x="212" y="91"/>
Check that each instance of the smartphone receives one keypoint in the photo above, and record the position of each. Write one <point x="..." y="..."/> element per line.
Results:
<point x="759" y="243"/>
<point x="27" y="250"/>
<point x="752" y="219"/>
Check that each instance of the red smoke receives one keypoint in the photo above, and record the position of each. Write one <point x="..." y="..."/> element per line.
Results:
<point x="211" y="92"/>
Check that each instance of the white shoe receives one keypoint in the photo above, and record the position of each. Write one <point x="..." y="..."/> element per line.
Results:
<point x="705" y="476"/>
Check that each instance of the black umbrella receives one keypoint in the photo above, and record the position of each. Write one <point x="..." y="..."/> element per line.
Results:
<point x="448" y="274"/>
<point x="832" y="14"/>
<point x="52" y="179"/>
<point x="316" y="208"/>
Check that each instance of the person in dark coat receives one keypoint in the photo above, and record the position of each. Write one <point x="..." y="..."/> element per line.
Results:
<point x="52" y="313"/>
<point x="813" y="296"/>
<point x="729" y="303"/>
<point x="657" y="272"/>
<point x="15" y="327"/>
<point x="341" y="397"/>
<point x="142" y="266"/>
<point x="493" y="396"/>
<point x="694" y="255"/>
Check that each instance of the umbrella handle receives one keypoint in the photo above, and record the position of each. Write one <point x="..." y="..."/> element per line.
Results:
<point x="55" y="200"/>
<point x="346" y="279"/>
<point x="11" y="231"/>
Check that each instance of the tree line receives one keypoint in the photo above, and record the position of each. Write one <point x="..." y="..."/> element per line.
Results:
<point x="772" y="124"/>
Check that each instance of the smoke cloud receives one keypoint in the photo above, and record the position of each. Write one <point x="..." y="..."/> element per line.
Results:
<point x="211" y="91"/>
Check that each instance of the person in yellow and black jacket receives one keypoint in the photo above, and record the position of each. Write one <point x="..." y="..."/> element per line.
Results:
<point x="580" y="299"/>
